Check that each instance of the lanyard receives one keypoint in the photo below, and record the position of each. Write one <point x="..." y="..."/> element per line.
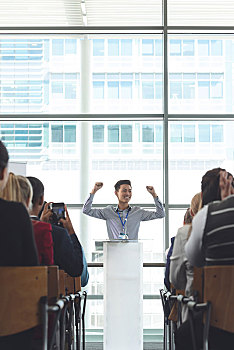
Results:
<point x="123" y="223"/>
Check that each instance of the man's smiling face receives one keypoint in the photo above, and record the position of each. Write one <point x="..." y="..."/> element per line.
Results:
<point x="124" y="193"/>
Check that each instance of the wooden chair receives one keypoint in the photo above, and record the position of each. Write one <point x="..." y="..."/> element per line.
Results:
<point x="62" y="291"/>
<point x="77" y="284"/>
<point x="219" y="290"/>
<point x="21" y="291"/>
<point x="198" y="284"/>
<point x="69" y="284"/>
<point x="53" y="284"/>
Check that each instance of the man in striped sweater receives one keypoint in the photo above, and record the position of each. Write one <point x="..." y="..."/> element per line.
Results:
<point x="212" y="237"/>
<point x="211" y="243"/>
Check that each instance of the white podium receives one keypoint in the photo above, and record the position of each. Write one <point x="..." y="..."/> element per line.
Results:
<point x="123" y="295"/>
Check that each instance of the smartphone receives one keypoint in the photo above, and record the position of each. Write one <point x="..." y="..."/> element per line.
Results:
<point x="58" y="210"/>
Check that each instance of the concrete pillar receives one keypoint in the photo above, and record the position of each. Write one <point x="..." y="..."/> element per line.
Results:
<point x="85" y="140"/>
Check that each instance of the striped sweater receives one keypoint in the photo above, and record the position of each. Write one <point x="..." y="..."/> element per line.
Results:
<point x="218" y="238"/>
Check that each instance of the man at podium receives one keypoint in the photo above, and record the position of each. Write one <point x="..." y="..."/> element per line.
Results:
<point x="123" y="219"/>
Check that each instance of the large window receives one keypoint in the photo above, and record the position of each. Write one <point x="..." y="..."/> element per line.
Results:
<point x="100" y="105"/>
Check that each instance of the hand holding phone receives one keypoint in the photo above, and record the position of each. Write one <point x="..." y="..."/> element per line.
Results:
<point x="67" y="224"/>
<point x="58" y="213"/>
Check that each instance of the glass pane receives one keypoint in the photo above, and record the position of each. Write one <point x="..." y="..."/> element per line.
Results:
<point x="200" y="74"/>
<point x="40" y="75"/>
<point x="202" y="13"/>
<point x="176" y="219"/>
<point x="127" y="13"/>
<point x="120" y="80"/>
<point x="204" y="146"/>
<point x="45" y="77"/>
<point x="132" y="150"/>
<point x="51" y="152"/>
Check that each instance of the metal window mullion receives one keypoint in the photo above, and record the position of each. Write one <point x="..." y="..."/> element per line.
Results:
<point x="165" y="124"/>
<point x="82" y="117"/>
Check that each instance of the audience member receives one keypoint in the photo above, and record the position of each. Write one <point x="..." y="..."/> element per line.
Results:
<point x="85" y="272"/>
<point x="181" y="271"/>
<point x="187" y="220"/>
<point x="67" y="248"/>
<point x="17" y="240"/>
<point x="211" y="241"/>
<point x="19" y="189"/>
<point x="42" y="230"/>
<point x="17" y="246"/>
<point x="197" y="247"/>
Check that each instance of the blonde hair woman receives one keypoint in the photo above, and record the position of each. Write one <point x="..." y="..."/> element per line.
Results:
<point x="181" y="272"/>
<point x="19" y="189"/>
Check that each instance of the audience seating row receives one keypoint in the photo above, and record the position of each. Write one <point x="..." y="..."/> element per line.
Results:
<point x="30" y="294"/>
<point x="213" y="294"/>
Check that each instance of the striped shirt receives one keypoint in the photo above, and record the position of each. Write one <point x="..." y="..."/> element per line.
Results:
<point x="212" y="237"/>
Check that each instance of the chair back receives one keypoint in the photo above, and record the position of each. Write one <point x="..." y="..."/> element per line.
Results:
<point x="20" y="293"/>
<point x="198" y="284"/>
<point x="69" y="284"/>
<point x="62" y="282"/>
<point x="53" y="283"/>
<point x="219" y="290"/>
<point x="77" y="284"/>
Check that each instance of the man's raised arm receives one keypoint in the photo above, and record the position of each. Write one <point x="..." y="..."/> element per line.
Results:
<point x="87" y="208"/>
<point x="159" y="212"/>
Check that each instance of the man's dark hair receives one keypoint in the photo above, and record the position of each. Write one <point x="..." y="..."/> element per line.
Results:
<point x="210" y="186"/>
<point x="122" y="182"/>
<point x="38" y="188"/>
<point x="4" y="157"/>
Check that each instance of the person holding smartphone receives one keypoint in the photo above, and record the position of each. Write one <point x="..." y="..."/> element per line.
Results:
<point x="67" y="248"/>
<point x="123" y="217"/>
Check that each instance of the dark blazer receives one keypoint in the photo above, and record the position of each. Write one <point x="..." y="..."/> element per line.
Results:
<point x="67" y="251"/>
<point x="17" y="246"/>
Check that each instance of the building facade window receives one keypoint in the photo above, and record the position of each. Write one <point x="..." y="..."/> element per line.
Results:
<point x="98" y="47"/>
<point x="147" y="133"/>
<point x="113" y="47"/>
<point x="176" y="133"/>
<point x="204" y="133"/>
<point x="113" y="133"/>
<point x="57" y="47"/>
<point x="98" y="133"/>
